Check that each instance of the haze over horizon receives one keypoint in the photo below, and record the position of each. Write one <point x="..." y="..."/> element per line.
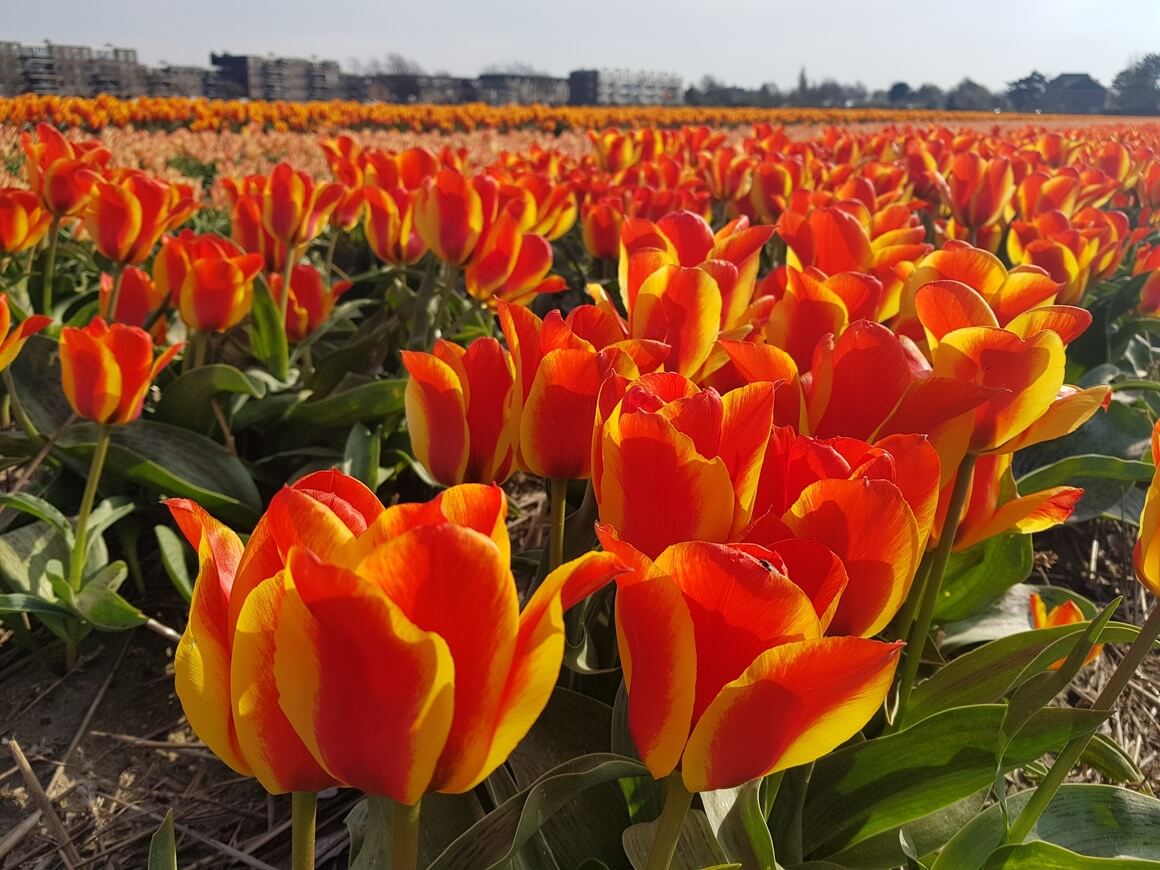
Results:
<point x="750" y="43"/>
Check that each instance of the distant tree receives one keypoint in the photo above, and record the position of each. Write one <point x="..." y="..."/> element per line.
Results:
<point x="402" y="66"/>
<point x="970" y="95"/>
<point x="1027" y="94"/>
<point x="899" y="92"/>
<point x="929" y="96"/>
<point x="515" y="68"/>
<point x="1136" y="90"/>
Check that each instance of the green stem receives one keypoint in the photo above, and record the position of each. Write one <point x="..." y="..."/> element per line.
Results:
<point x="303" y="814"/>
<point x="287" y="274"/>
<point x="558" y="508"/>
<point x="1066" y="760"/>
<point x="200" y="346"/>
<point x="906" y="615"/>
<point x="928" y="599"/>
<point x="678" y="799"/>
<point x="115" y="293"/>
<point x="330" y="257"/>
<point x="80" y="545"/>
<point x="17" y="408"/>
<point x="50" y="266"/>
<point x="405" y="836"/>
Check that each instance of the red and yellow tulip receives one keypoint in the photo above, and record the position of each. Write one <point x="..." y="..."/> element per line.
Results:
<point x="13" y="336"/>
<point x="23" y="220"/>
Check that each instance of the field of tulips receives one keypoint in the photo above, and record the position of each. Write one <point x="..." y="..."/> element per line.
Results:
<point x="628" y="499"/>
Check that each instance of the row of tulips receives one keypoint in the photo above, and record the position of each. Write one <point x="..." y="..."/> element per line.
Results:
<point x="790" y="426"/>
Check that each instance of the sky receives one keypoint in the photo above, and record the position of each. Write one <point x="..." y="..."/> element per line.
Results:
<point x="744" y="42"/>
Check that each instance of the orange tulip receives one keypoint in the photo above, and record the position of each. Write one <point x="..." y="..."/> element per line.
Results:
<point x="212" y="281"/>
<point x="672" y="463"/>
<point x="106" y="371"/>
<point x="462" y="411"/>
<point x="139" y="299"/>
<point x="979" y="190"/>
<point x="23" y="221"/>
<point x="560" y="366"/>
<point x="294" y="208"/>
<point x="390" y="226"/>
<point x="1067" y="613"/>
<point x="510" y="265"/>
<point x="61" y="172"/>
<point x="128" y="215"/>
<point x="333" y="621"/>
<point x="1148" y="261"/>
<point x="814" y="306"/>
<point x="1146" y="553"/>
<point x="713" y="640"/>
<point x="13" y="337"/>
<point x="311" y="302"/>
<point x="451" y="213"/>
<point x="600" y="228"/>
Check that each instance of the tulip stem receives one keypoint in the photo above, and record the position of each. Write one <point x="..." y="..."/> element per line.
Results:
<point x="303" y="814"/>
<point x="405" y="836"/>
<point x="678" y="799"/>
<point x="50" y="266"/>
<point x="17" y="407"/>
<point x="928" y="598"/>
<point x="1066" y="760"/>
<point x="287" y="274"/>
<point x="330" y="258"/>
<point x="558" y="508"/>
<point x="115" y="293"/>
<point x="80" y="544"/>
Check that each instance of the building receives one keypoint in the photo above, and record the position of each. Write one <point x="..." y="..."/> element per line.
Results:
<point x="621" y="87"/>
<point x="410" y="88"/>
<point x="501" y="89"/>
<point x="1075" y="94"/>
<point x="72" y="70"/>
<point x="11" y="70"/>
<point x="115" y="71"/>
<point x="275" y="78"/>
<point x="178" y="81"/>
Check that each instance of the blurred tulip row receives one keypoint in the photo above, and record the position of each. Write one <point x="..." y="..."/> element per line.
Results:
<point x="791" y="409"/>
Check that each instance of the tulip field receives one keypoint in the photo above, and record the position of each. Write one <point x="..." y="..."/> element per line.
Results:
<point x="390" y="488"/>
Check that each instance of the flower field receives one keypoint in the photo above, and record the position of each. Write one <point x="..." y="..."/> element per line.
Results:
<point x="451" y="487"/>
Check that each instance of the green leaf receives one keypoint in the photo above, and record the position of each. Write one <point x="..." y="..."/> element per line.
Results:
<point x="986" y="674"/>
<point x="20" y="602"/>
<point x="163" y="846"/>
<point x="187" y="401"/>
<point x="172" y="548"/>
<point x="498" y="836"/>
<point x="981" y="574"/>
<point x="1100" y="821"/>
<point x="444" y="817"/>
<point x="366" y="403"/>
<point x="1111" y="760"/>
<point x="41" y="509"/>
<point x="697" y="847"/>
<point x="1065" y="471"/>
<point x="267" y="335"/>
<point x="887" y="782"/>
<point x="101" y="606"/>
<point x="362" y="454"/>
<point x="737" y="821"/>
<point x="171" y="461"/>
<point x="364" y="351"/>
<point x="1045" y="856"/>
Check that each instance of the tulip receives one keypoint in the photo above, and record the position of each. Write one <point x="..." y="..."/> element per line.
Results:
<point x="128" y="215"/>
<point x="510" y="265"/>
<point x="390" y="226"/>
<point x="1067" y="613"/>
<point x="62" y="172"/>
<point x="281" y="670"/>
<point x="450" y="213"/>
<point x="138" y="302"/>
<point x="1146" y="553"/>
<point x="814" y="306"/>
<point x="600" y="229"/>
<point x="212" y="281"/>
<point x="23" y="220"/>
<point x="1148" y="262"/>
<point x="311" y="303"/>
<point x="979" y="190"/>
<point x="462" y="411"/>
<point x="294" y="208"/>
<point x="728" y="675"/>
<point x="672" y="463"/>
<point x="13" y="337"/>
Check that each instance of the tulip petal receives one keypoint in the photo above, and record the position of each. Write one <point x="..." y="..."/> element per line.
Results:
<point x="436" y="417"/>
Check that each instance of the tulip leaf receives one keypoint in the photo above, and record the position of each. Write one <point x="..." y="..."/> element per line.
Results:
<point x="366" y="403"/>
<point x="187" y="401"/>
<point x="1009" y="615"/>
<point x="1098" y="821"/>
<point x="737" y="821"/>
<point x="20" y="602"/>
<point x="36" y="376"/>
<point x="163" y="846"/>
<point x="362" y="454"/>
<point x="981" y="574"/>
<point x="986" y="674"/>
<point x="697" y="847"/>
<point x="497" y="837"/>
<point x="363" y="351"/>
<point x="1104" y="480"/>
<point x="268" y="333"/>
<point x="1046" y="856"/>
<point x="43" y="510"/>
<point x="887" y="782"/>
<point x="172" y="548"/>
<point x="1108" y="758"/>
<point x="171" y="461"/>
<point x="444" y="817"/>
<point x="101" y="606"/>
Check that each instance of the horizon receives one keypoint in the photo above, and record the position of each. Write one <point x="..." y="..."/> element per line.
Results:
<point x="497" y="37"/>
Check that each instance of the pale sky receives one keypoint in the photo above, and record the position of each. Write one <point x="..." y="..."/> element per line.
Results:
<point x="743" y="42"/>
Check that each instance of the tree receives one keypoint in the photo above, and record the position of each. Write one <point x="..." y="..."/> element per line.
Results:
<point x="899" y="92"/>
<point x="929" y="96"/>
<point x="1027" y="94"/>
<point x="971" y="96"/>
<point x="1136" y="90"/>
<point x="515" y="68"/>
<point x="402" y="66"/>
